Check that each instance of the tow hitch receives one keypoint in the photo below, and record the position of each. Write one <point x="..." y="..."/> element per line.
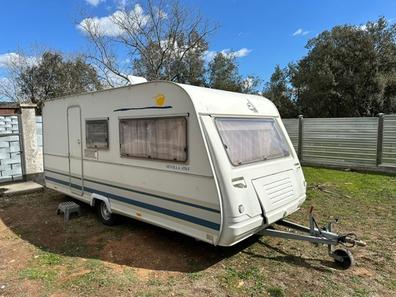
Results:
<point x="316" y="235"/>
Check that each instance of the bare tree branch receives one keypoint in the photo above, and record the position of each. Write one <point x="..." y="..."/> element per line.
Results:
<point x="157" y="36"/>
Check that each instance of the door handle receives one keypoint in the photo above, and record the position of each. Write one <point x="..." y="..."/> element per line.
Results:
<point x="239" y="182"/>
<point x="78" y="141"/>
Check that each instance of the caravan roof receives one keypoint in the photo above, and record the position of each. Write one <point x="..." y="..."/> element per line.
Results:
<point x="206" y="100"/>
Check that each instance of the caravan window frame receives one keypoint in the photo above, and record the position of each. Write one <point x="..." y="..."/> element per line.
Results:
<point x="89" y="146"/>
<point x="276" y="128"/>
<point x="129" y="156"/>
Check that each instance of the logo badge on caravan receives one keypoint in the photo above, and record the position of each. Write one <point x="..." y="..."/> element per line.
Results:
<point x="159" y="100"/>
<point x="251" y="106"/>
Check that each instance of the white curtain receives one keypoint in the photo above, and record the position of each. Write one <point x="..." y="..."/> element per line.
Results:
<point x="159" y="138"/>
<point x="250" y="140"/>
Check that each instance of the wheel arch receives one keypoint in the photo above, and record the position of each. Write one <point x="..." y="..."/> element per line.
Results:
<point x="97" y="197"/>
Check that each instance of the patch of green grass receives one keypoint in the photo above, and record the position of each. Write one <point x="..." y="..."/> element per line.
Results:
<point x="171" y="281"/>
<point x="48" y="258"/>
<point x="42" y="267"/>
<point x="154" y="282"/>
<point x="365" y="187"/>
<point x="356" y="279"/>
<point x="127" y="277"/>
<point x="38" y="273"/>
<point x="361" y="292"/>
<point x="97" y="276"/>
<point x="275" y="292"/>
<point x="349" y="196"/>
<point x="148" y="294"/>
<point x="193" y="276"/>
<point x="249" y="280"/>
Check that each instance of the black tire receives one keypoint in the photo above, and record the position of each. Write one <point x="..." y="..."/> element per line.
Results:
<point x="346" y="258"/>
<point x="104" y="215"/>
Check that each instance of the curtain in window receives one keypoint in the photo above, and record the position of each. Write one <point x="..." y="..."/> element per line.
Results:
<point x="250" y="140"/>
<point x="160" y="138"/>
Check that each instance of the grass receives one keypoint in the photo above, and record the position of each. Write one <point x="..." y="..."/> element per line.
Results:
<point x="84" y="258"/>
<point x="35" y="273"/>
<point x="43" y="268"/>
<point x="275" y="292"/>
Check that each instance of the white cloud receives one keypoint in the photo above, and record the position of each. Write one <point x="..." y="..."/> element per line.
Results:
<point x="209" y="55"/>
<point x="9" y="59"/>
<point x="363" y="27"/>
<point x="241" y="53"/>
<point x="301" y="32"/>
<point x="298" y="32"/>
<point x="94" y="2"/>
<point x="108" y="25"/>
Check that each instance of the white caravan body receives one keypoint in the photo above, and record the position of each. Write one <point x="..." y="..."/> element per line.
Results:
<point x="227" y="183"/>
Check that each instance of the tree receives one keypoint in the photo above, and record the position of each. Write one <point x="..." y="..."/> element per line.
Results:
<point x="348" y="71"/>
<point x="223" y="74"/>
<point x="52" y="76"/>
<point x="14" y="67"/>
<point x="162" y="41"/>
<point x="189" y="69"/>
<point x="278" y="90"/>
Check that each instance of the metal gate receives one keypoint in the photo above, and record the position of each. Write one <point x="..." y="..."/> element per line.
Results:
<point x="11" y="149"/>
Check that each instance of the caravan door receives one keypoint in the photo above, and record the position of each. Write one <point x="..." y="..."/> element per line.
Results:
<point x="74" y="132"/>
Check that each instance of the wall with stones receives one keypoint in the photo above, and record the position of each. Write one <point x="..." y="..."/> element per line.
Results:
<point x="21" y="154"/>
<point x="10" y="149"/>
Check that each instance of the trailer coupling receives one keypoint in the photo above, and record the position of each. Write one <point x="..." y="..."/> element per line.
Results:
<point x="343" y="257"/>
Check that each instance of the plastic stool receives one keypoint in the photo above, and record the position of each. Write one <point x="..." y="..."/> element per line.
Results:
<point x="68" y="208"/>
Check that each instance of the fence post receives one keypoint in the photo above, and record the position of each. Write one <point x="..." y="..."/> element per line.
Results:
<point x="380" y="137"/>
<point x="300" y="137"/>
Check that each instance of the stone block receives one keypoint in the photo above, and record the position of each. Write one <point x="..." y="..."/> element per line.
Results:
<point x="5" y="167"/>
<point x="11" y="172"/>
<point x="15" y="158"/>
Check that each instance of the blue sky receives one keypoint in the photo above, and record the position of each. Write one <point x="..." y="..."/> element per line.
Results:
<point x="262" y="29"/>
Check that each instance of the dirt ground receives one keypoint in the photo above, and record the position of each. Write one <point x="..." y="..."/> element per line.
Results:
<point x="40" y="255"/>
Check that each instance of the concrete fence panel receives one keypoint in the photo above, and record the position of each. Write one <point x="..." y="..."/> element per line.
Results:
<point x="344" y="141"/>
<point x="389" y="141"/>
<point x="291" y="126"/>
<point x="358" y="142"/>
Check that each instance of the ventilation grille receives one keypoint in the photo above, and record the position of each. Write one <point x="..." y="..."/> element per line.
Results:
<point x="279" y="191"/>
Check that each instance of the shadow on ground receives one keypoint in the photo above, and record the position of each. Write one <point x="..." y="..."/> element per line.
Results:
<point x="133" y="243"/>
<point x="33" y="218"/>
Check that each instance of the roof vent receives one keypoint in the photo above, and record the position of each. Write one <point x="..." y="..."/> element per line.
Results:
<point x="133" y="80"/>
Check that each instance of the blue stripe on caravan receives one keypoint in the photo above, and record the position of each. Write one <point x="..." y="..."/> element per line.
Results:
<point x="162" y="210"/>
<point x="144" y="193"/>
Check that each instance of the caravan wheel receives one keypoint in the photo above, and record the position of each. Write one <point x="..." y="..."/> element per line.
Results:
<point x="346" y="258"/>
<point x="105" y="215"/>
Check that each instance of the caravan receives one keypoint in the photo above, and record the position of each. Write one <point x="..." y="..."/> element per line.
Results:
<point x="215" y="165"/>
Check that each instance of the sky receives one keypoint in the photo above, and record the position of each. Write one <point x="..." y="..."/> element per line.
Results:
<point x="263" y="33"/>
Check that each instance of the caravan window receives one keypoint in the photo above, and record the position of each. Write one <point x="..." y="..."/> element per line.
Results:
<point x="251" y="140"/>
<point x="97" y="134"/>
<point x="154" y="138"/>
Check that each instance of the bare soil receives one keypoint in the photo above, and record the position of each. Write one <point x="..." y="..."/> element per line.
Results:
<point x="40" y="255"/>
